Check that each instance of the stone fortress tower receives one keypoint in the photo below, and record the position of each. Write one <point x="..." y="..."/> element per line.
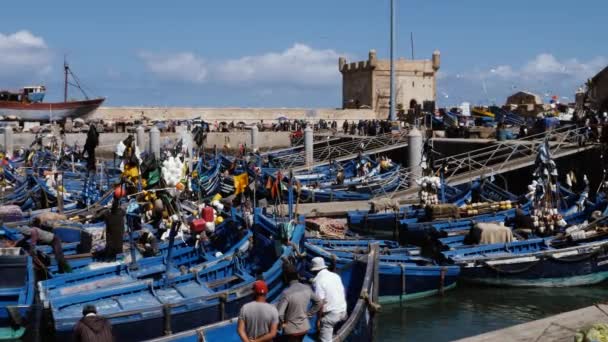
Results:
<point x="366" y="84"/>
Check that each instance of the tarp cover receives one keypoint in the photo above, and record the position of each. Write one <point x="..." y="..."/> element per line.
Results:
<point x="488" y="232"/>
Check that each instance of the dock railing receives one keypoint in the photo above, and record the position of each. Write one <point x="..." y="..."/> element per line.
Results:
<point x="501" y="157"/>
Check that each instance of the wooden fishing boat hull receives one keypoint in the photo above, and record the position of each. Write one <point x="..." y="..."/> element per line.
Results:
<point x="408" y="282"/>
<point x="17" y="292"/>
<point x="41" y="111"/>
<point x="585" y="265"/>
<point x="400" y="277"/>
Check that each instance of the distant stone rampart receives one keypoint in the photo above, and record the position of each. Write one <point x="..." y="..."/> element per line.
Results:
<point x="247" y="115"/>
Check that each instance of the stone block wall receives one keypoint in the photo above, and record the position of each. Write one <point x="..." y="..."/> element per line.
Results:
<point x="247" y="115"/>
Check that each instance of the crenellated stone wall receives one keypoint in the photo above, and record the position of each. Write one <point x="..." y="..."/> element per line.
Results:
<point x="367" y="83"/>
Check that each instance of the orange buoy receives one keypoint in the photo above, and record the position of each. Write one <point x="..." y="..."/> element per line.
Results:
<point x="120" y="192"/>
<point x="180" y="186"/>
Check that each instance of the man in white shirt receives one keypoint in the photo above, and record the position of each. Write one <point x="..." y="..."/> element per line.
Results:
<point x="330" y="290"/>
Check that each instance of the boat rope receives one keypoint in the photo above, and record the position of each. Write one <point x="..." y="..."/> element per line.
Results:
<point x="442" y="279"/>
<point x="402" y="266"/>
<point x="517" y="271"/>
<point x="373" y="307"/>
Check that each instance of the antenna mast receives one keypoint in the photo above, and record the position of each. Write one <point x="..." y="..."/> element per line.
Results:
<point x="412" y="43"/>
<point x="66" y="69"/>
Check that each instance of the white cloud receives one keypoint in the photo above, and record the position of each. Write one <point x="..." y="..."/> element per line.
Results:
<point x="503" y="71"/>
<point x="543" y="64"/>
<point x="547" y="66"/>
<point x="543" y="74"/>
<point x="184" y="66"/>
<point x="23" y="54"/>
<point x="297" y="65"/>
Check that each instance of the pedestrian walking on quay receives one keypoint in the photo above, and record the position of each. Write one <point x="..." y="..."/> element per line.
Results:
<point x="329" y="288"/>
<point x="293" y="306"/>
<point x="258" y="320"/>
<point x="92" y="327"/>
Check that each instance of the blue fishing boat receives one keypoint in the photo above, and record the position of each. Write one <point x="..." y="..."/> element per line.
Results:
<point x="540" y="262"/>
<point x="320" y="184"/>
<point x="360" y="278"/>
<point x="89" y="274"/>
<point x="380" y="222"/>
<point x="387" y="224"/>
<point x="16" y="292"/>
<point x="402" y="276"/>
<point x="365" y="190"/>
<point x="145" y="308"/>
<point x="361" y="246"/>
<point x="575" y="208"/>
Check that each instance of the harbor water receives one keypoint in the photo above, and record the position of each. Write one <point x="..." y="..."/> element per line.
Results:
<point x="471" y="310"/>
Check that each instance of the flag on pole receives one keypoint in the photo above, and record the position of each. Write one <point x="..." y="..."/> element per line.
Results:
<point x="240" y="183"/>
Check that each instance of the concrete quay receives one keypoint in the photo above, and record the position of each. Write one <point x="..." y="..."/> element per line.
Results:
<point x="108" y="141"/>
<point x="556" y="328"/>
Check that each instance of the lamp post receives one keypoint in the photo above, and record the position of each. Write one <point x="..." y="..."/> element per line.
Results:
<point x="392" y="65"/>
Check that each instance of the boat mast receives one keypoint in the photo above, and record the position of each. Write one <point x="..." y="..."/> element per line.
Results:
<point x="66" y="69"/>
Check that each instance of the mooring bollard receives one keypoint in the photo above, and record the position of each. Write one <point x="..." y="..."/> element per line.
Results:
<point x="140" y="135"/>
<point x="414" y="151"/>
<point x="155" y="141"/>
<point x="8" y="141"/>
<point x="254" y="137"/>
<point x="308" y="146"/>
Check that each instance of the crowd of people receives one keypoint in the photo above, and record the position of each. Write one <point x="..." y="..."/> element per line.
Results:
<point x="366" y="127"/>
<point x="360" y="127"/>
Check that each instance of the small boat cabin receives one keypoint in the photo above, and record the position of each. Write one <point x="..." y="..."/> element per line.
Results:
<point x="30" y="94"/>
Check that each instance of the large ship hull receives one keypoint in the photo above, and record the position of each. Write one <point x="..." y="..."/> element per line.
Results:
<point x="48" y="111"/>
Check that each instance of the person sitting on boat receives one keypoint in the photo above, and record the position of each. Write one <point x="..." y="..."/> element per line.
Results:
<point x="385" y="164"/>
<point x="115" y="227"/>
<point x="35" y="235"/>
<point x="365" y="168"/>
<point x="329" y="288"/>
<point x="522" y="222"/>
<point x="293" y="306"/>
<point x="258" y="320"/>
<point x="92" y="327"/>
<point x="148" y="244"/>
<point x="340" y="176"/>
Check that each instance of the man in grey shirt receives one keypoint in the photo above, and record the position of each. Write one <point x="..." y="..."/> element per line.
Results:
<point x="293" y="306"/>
<point x="258" y="320"/>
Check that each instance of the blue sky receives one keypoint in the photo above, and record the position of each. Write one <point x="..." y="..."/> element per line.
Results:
<point x="284" y="53"/>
